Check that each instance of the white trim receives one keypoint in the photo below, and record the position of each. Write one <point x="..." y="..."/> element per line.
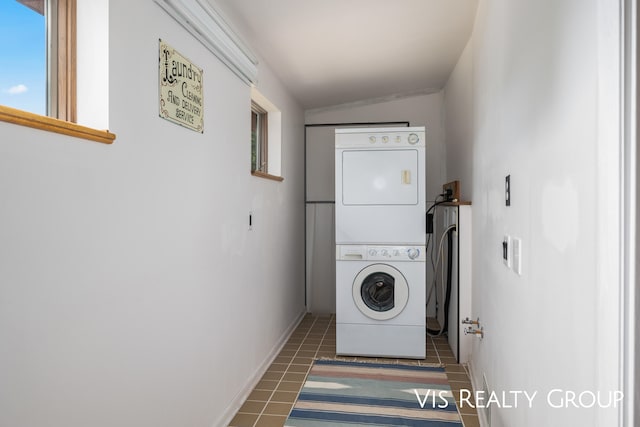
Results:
<point x="208" y="26"/>
<point x="609" y="333"/>
<point x="476" y="385"/>
<point x="629" y="180"/>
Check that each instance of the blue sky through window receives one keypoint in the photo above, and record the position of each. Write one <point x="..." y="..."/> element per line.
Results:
<point x="23" y="73"/>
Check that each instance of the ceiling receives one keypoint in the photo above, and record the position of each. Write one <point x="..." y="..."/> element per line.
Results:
<point x="332" y="52"/>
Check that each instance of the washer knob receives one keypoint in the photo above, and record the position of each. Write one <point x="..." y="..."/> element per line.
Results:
<point x="373" y="252"/>
<point x="385" y="139"/>
<point x="413" y="138"/>
<point x="396" y="252"/>
<point x="413" y="253"/>
<point x="372" y="139"/>
<point x="384" y="252"/>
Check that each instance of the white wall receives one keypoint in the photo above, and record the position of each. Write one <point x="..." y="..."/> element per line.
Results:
<point x="458" y="107"/>
<point x="531" y="93"/>
<point x="131" y="291"/>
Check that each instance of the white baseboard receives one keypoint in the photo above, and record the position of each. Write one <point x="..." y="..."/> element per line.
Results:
<point x="475" y="385"/>
<point x="240" y="398"/>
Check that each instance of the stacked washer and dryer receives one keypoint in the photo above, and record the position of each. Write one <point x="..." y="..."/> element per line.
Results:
<point x="380" y="242"/>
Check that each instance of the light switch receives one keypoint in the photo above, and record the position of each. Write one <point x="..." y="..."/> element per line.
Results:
<point x="507" y="190"/>
<point x="506" y="251"/>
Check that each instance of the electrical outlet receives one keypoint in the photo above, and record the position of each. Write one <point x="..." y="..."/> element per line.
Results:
<point x="452" y="189"/>
<point x="506" y="251"/>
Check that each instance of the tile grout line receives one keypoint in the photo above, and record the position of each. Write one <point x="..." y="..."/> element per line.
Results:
<point x="435" y="347"/>
<point x="324" y="335"/>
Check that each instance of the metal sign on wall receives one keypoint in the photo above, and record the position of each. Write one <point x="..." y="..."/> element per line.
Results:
<point x="180" y="82"/>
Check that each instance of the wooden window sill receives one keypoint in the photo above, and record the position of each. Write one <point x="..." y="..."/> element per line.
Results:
<point x="265" y="175"/>
<point x="49" y="124"/>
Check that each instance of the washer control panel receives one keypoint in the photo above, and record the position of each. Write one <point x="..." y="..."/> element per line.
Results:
<point x="380" y="253"/>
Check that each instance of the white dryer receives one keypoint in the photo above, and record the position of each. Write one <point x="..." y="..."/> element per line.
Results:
<point x="380" y="301"/>
<point x="380" y="186"/>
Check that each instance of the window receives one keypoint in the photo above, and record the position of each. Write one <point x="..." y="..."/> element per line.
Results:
<point x="38" y="85"/>
<point x="22" y="41"/>
<point x="38" y="79"/>
<point x="266" y="137"/>
<point x="259" y="138"/>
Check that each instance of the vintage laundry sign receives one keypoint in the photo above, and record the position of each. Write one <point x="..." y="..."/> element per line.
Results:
<point x="180" y="84"/>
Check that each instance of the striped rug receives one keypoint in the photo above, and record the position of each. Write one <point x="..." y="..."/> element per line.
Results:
<point x="340" y="393"/>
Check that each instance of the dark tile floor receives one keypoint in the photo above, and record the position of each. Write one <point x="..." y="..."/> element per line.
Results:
<point x="271" y="400"/>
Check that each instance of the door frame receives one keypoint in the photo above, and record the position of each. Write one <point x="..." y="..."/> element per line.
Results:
<point x="630" y="185"/>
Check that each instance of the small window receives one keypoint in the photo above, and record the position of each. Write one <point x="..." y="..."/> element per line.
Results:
<point x="266" y="138"/>
<point x="259" y="138"/>
<point x="37" y="38"/>
<point x="38" y="62"/>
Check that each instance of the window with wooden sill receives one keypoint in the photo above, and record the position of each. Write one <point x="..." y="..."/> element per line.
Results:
<point x="266" y="138"/>
<point x="42" y="32"/>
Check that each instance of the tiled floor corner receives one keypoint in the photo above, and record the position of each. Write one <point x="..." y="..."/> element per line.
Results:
<point x="270" y="402"/>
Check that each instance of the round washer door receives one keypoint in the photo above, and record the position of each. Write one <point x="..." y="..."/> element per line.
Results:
<point x="380" y="291"/>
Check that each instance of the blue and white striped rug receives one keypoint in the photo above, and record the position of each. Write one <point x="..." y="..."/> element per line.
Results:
<point x="340" y="393"/>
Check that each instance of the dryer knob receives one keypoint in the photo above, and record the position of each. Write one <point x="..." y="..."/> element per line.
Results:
<point x="413" y="253"/>
<point x="384" y="252"/>
<point x="373" y="252"/>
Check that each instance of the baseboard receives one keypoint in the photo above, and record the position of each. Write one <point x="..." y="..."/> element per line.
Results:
<point x="240" y="398"/>
<point x="477" y="386"/>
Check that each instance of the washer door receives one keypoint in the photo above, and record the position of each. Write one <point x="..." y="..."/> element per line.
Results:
<point x="380" y="291"/>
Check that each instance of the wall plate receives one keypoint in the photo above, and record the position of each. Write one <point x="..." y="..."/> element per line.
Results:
<point x="517" y="255"/>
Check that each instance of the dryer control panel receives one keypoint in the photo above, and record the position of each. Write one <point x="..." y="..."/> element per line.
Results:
<point x="380" y="253"/>
<point x="389" y="138"/>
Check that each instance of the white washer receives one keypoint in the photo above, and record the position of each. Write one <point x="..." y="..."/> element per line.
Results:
<point x="380" y="301"/>
<point x="380" y="186"/>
